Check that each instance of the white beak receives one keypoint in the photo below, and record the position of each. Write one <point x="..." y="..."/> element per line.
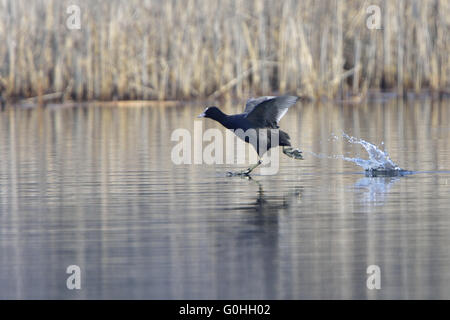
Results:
<point x="202" y="115"/>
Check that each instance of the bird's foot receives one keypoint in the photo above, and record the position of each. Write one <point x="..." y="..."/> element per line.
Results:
<point x="293" y="153"/>
<point x="242" y="173"/>
<point x="245" y="172"/>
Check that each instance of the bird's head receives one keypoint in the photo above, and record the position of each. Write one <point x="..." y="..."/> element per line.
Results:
<point x="212" y="113"/>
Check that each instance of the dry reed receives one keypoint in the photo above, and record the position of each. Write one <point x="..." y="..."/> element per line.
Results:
<point x="194" y="49"/>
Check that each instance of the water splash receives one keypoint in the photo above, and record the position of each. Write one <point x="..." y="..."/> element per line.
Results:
<point x="378" y="160"/>
<point x="378" y="164"/>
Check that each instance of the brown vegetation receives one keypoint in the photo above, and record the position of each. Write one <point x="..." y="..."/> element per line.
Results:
<point x="194" y="49"/>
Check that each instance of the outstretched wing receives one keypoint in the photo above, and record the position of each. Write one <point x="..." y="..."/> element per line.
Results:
<point x="253" y="102"/>
<point x="269" y="111"/>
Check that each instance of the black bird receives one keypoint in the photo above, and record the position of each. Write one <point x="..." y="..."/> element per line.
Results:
<point x="261" y="113"/>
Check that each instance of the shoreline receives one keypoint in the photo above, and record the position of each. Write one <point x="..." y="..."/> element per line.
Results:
<point x="374" y="95"/>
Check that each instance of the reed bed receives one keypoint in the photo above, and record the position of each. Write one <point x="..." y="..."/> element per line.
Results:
<point x="162" y="50"/>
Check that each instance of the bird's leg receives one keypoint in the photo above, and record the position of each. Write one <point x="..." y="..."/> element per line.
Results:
<point x="251" y="168"/>
<point x="293" y="153"/>
<point x="247" y="171"/>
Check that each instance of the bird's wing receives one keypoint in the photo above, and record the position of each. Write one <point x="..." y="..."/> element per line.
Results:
<point x="253" y="102"/>
<point x="269" y="111"/>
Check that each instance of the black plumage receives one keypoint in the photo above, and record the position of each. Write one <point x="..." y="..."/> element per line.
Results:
<point x="260" y="113"/>
<point x="255" y="123"/>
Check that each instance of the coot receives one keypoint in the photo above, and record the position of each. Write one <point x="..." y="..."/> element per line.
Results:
<point x="260" y="114"/>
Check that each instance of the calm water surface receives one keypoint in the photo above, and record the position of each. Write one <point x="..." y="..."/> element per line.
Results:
<point x="96" y="187"/>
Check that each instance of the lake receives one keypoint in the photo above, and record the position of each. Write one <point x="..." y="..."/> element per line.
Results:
<point x="96" y="187"/>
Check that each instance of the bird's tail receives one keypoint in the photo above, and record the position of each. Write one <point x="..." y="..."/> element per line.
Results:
<point x="293" y="152"/>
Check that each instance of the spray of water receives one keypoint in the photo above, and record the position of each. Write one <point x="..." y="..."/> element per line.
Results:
<point x="379" y="160"/>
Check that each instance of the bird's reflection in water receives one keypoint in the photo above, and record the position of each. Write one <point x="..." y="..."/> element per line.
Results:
<point x="254" y="240"/>
<point x="270" y="203"/>
<point x="374" y="190"/>
<point x="262" y="214"/>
